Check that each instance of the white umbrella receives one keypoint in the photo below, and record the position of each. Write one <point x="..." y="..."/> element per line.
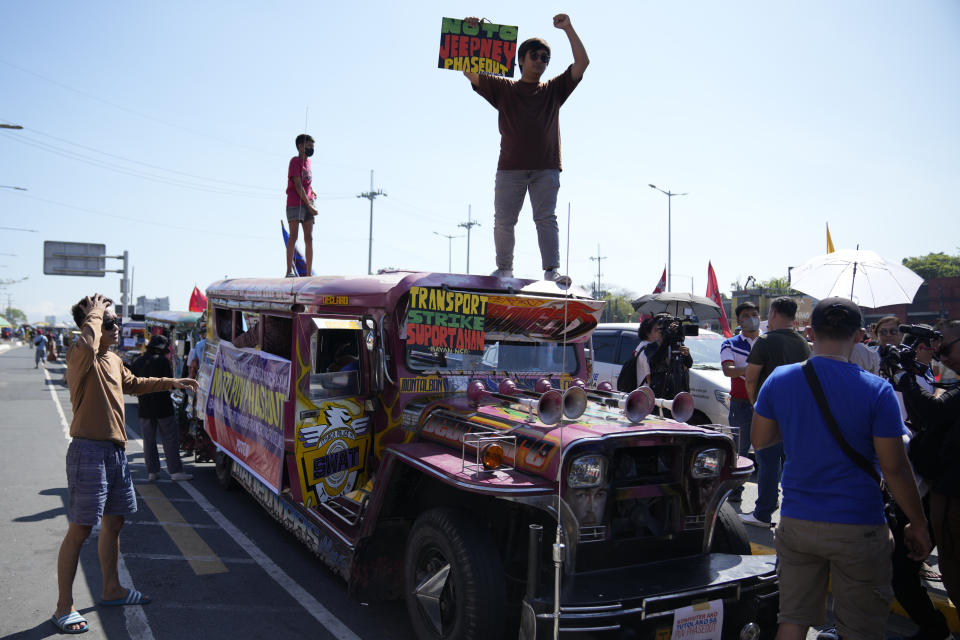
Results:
<point x="860" y="275"/>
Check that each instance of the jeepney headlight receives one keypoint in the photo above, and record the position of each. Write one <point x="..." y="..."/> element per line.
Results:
<point x="722" y="397"/>
<point x="587" y="472"/>
<point x="706" y="464"/>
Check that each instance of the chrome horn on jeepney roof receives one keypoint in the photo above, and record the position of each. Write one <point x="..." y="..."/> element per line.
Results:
<point x="548" y="406"/>
<point x="636" y="405"/>
<point x="681" y="407"/>
<point x="574" y="398"/>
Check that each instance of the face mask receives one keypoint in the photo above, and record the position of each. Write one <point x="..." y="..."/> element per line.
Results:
<point x="308" y="152"/>
<point x="750" y="323"/>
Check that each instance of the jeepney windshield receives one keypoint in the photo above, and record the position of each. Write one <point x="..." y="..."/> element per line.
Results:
<point x="514" y="357"/>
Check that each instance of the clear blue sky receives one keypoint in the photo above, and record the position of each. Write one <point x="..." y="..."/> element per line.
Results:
<point x="165" y="130"/>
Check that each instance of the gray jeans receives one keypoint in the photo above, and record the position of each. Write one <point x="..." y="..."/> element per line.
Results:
<point x="510" y="189"/>
<point x="166" y="428"/>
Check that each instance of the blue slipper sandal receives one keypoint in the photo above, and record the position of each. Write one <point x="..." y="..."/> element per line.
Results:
<point x="73" y="617"/>
<point x="133" y="597"/>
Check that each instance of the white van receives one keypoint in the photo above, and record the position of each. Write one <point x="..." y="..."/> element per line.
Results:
<point x="613" y="344"/>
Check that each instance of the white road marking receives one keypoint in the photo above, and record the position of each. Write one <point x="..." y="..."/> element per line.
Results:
<point x="322" y="615"/>
<point x="181" y="557"/>
<point x="134" y="617"/>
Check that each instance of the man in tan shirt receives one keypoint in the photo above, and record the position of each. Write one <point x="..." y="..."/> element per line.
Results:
<point x="99" y="485"/>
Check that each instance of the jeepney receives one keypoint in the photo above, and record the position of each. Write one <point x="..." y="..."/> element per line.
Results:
<point x="178" y="327"/>
<point x="132" y="341"/>
<point x="428" y="437"/>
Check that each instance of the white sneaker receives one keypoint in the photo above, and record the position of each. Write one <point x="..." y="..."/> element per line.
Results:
<point x="152" y="477"/>
<point x="180" y="476"/>
<point x="828" y="634"/>
<point x="502" y="273"/>
<point x="752" y="520"/>
<point x="551" y="274"/>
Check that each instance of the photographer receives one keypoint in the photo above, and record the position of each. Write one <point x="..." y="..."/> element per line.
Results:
<point x="935" y="448"/>
<point x="670" y="363"/>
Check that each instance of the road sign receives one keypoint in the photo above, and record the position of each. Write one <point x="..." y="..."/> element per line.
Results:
<point x="74" y="259"/>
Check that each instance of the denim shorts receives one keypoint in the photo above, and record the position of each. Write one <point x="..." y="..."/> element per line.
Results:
<point x="98" y="482"/>
<point x="298" y="214"/>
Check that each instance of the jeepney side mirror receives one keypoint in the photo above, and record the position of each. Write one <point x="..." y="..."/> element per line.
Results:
<point x="369" y="334"/>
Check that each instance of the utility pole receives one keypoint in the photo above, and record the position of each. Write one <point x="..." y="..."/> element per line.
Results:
<point x="598" y="258"/>
<point x="469" y="224"/>
<point x="371" y="196"/>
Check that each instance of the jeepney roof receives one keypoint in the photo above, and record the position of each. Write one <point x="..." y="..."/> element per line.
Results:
<point x="175" y="318"/>
<point x="380" y="290"/>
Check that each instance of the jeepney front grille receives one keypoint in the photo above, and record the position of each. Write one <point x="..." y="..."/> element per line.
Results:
<point x="593" y="533"/>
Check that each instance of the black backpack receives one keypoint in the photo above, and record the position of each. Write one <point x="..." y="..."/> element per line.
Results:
<point x="627" y="380"/>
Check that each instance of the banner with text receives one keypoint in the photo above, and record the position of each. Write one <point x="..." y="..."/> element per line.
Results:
<point x="485" y="48"/>
<point x="442" y="321"/>
<point x="248" y="389"/>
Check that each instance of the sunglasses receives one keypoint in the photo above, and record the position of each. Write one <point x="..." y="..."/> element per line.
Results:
<point x="945" y="348"/>
<point x="110" y="323"/>
<point x="539" y="56"/>
<point x="889" y="332"/>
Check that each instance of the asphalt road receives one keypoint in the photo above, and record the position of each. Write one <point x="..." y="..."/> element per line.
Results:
<point x="213" y="562"/>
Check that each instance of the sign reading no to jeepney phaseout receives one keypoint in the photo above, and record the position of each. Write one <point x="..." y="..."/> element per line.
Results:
<point x="485" y="48"/>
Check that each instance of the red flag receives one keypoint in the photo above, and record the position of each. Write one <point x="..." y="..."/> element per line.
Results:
<point x="713" y="292"/>
<point x="662" y="285"/>
<point x="198" y="301"/>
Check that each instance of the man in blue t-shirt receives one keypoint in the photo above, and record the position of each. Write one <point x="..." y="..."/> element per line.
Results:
<point x="832" y="523"/>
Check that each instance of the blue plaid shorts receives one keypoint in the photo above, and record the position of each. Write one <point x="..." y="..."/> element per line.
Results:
<point x="98" y="482"/>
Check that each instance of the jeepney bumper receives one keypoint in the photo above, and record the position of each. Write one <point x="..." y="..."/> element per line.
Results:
<point x="638" y="602"/>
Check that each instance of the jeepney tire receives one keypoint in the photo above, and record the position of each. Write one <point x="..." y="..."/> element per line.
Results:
<point x="730" y="534"/>
<point x="223" y="465"/>
<point x="475" y="591"/>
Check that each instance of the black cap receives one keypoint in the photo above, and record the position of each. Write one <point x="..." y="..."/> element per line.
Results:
<point x="840" y="313"/>
<point x="158" y="343"/>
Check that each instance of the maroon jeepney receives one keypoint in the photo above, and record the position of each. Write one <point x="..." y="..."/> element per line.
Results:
<point x="428" y="437"/>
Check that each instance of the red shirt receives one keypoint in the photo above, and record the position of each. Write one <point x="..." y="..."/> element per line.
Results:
<point x="299" y="168"/>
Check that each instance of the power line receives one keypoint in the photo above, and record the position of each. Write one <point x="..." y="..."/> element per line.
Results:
<point x="598" y="258"/>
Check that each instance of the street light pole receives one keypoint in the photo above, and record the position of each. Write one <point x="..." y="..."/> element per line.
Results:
<point x="670" y="195"/>
<point x="449" y="238"/>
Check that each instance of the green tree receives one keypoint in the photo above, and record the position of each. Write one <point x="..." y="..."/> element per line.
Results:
<point x="15" y="316"/>
<point x="777" y="284"/>
<point x="934" y="265"/>
<point x="618" y="307"/>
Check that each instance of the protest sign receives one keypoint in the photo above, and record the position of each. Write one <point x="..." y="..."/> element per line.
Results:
<point x="443" y="321"/>
<point x="245" y="402"/>
<point x="701" y="621"/>
<point x="485" y="48"/>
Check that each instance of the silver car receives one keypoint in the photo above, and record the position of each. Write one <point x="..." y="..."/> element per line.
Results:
<point x="613" y="344"/>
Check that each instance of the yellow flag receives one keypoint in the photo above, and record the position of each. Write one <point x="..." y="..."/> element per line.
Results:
<point x="830" y="248"/>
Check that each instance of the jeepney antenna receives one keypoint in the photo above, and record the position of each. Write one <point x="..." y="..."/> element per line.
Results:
<point x="558" y="546"/>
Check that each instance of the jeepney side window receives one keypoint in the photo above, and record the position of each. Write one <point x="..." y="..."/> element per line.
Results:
<point x="278" y="335"/>
<point x="247" y="328"/>
<point x="224" y="323"/>
<point x="335" y="369"/>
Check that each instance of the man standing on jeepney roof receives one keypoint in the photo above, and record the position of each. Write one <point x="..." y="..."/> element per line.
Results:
<point x="530" y="144"/>
<point x="300" y="199"/>
<point x="99" y="486"/>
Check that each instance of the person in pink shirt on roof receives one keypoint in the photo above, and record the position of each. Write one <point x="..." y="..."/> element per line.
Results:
<point x="300" y="198"/>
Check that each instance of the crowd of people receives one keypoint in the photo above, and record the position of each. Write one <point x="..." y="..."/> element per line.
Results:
<point x="834" y="433"/>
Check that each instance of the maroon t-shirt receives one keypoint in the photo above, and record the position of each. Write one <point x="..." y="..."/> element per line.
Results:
<point x="529" y="119"/>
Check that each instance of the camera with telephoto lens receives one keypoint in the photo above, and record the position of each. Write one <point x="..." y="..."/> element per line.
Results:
<point x="903" y="357"/>
<point x="675" y="329"/>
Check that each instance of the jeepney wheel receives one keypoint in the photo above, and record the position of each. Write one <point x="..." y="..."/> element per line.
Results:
<point x="223" y="465"/>
<point x="454" y="582"/>
<point x="730" y="534"/>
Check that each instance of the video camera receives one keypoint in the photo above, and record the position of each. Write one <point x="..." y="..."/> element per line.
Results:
<point x="675" y="329"/>
<point x="903" y="357"/>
